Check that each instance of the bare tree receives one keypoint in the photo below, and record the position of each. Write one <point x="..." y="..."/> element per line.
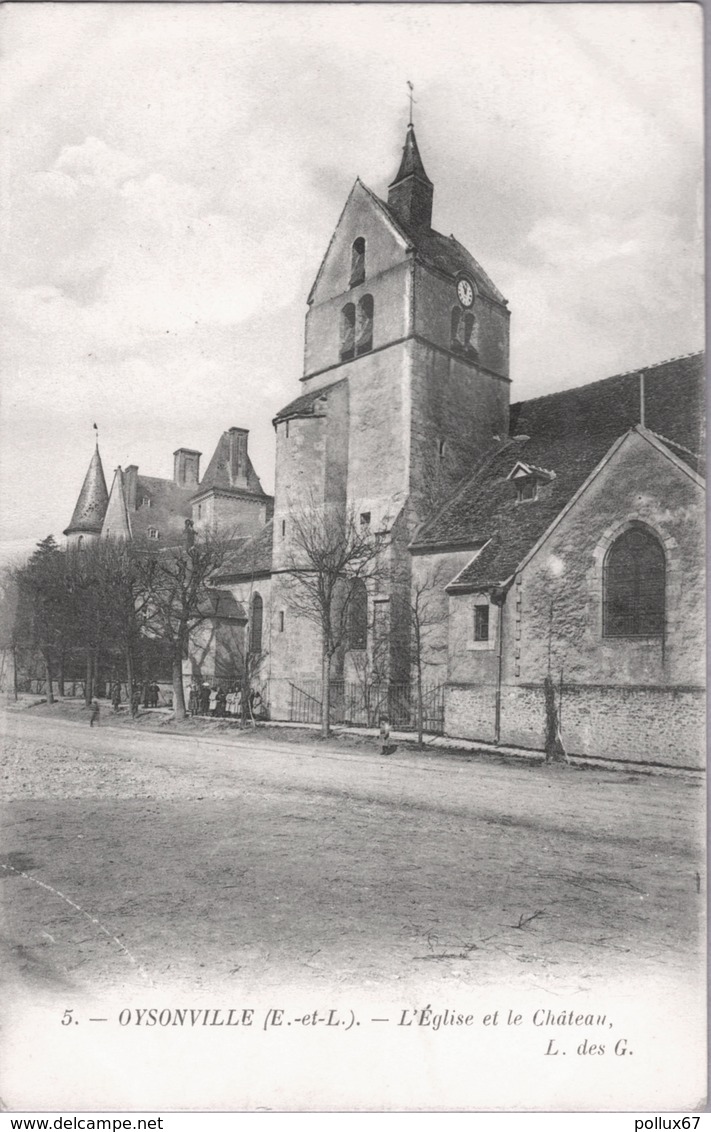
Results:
<point x="44" y="599"/>
<point x="331" y="552"/>
<point x="109" y="573"/>
<point x="176" y="587"/>
<point x="427" y="615"/>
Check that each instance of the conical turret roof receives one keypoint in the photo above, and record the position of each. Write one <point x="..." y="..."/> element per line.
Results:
<point x="93" y="499"/>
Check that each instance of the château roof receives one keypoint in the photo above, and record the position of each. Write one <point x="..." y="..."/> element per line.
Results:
<point x="163" y="505"/>
<point x="93" y="499"/>
<point x="218" y="478"/>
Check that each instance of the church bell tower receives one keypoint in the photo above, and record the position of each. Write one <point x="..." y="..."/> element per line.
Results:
<point x="405" y="383"/>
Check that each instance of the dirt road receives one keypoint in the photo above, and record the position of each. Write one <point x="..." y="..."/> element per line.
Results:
<point x="134" y="857"/>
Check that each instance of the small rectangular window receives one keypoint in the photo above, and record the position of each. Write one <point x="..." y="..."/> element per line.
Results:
<point x="365" y="518"/>
<point x="283" y="528"/>
<point x="281" y="620"/>
<point x="481" y="622"/>
<point x="152" y="532"/>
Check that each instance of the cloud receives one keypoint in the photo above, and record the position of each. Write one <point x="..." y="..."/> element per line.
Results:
<point x="172" y="174"/>
<point x="606" y="294"/>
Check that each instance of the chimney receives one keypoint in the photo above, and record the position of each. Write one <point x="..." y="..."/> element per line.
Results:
<point x="186" y="467"/>
<point x="238" y="456"/>
<point x="130" y="485"/>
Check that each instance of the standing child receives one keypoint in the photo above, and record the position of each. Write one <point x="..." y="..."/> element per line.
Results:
<point x="386" y="747"/>
<point x="95" y="712"/>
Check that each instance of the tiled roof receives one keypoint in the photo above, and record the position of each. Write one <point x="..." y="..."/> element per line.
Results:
<point x="217" y="474"/>
<point x="93" y="498"/>
<point x="674" y="394"/>
<point x="569" y="433"/>
<point x="169" y="508"/>
<point x="444" y="253"/>
<point x="250" y="556"/>
<point x="305" y="405"/>
<point x="486" y="511"/>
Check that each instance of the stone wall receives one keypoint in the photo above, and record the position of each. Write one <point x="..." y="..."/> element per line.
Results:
<point x="430" y="574"/>
<point x="436" y="297"/>
<point x="237" y="516"/>
<point x="457" y="410"/>
<point x="624" y="698"/>
<point x="630" y="724"/>
<point x="387" y="275"/>
<point x="558" y="605"/>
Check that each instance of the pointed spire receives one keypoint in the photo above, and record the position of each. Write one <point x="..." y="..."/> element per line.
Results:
<point x="411" y="163"/>
<point x="410" y="195"/>
<point x="93" y="498"/>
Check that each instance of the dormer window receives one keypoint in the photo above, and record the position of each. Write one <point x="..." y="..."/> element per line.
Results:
<point x="145" y="502"/>
<point x="357" y="262"/>
<point x="153" y="533"/>
<point x="528" y="480"/>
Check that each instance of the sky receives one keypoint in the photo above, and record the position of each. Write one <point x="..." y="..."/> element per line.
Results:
<point x="170" y="176"/>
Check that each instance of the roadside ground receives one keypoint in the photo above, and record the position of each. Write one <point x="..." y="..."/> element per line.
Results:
<point x="143" y="866"/>
<point x="303" y="859"/>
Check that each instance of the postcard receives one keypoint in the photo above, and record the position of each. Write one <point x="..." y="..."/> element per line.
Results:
<point x="353" y="567"/>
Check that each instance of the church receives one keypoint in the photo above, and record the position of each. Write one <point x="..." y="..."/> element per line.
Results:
<point x="558" y="537"/>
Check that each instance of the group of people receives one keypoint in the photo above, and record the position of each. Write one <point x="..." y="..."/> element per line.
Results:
<point x="215" y="701"/>
<point x="148" y="694"/>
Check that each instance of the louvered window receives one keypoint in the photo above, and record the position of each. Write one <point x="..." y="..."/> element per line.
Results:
<point x="357" y="262"/>
<point x="348" y="323"/>
<point x="364" y="325"/>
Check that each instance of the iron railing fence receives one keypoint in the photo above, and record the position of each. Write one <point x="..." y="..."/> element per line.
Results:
<point x="363" y="705"/>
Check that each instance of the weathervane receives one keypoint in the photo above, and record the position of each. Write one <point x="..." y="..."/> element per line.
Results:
<point x="412" y="101"/>
<point x="96" y="430"/>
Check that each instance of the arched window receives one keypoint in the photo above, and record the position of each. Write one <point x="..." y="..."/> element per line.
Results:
<point x="357" y="262"/>
<point x="456" y="319"/>
<point x="469" y="332"/>
<point x="255" y="624"/>
<point x="358" y="616"/>
<point x="633" y="586"/>
<point x="364" y="325"/>
<point x="348" y="321"/>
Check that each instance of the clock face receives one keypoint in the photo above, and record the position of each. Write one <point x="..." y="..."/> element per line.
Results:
<point x="465" y="291"/>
